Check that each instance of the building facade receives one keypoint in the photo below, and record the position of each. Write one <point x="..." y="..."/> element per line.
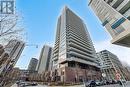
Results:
<point x="44" y="59"/>
<point x="9" y="55"/>
<point x="33" y="64"/>
<point x="115" y="17"/>
<point x="110" y="65"/>
<point x="126" y="70"/>
<point x="14" y="75"/>
<point x="74" y="55"/>
<point x="127" y="73"/>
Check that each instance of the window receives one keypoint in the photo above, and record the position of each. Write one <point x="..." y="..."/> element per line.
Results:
<point x="118" y="23"/>
<point x="105" y="22"/>
<point x="102" y="10"/>
<point x="112" y="21"/>
<point x="107" y="15"/>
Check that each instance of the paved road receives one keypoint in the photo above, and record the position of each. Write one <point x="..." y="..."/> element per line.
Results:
<point x="126" y="85"/>
<point x="15" y="85"/>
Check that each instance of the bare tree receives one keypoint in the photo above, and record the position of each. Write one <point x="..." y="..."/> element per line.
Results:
<point x="9" y="27"/>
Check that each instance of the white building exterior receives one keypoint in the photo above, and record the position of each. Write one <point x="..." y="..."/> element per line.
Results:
<point x="110" y="65"/>
<point x="73" y="42"/>
<point x="44" y="59"/>
<point x="115" y="17"/>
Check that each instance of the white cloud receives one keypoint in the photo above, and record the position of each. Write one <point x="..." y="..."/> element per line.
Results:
<point x="123" y="53"/>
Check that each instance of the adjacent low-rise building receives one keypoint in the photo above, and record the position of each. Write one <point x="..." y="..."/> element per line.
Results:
<point x="110" y="66"/>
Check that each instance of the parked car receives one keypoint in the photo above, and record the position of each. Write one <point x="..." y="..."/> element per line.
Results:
<point x="103" y="82"/>
<point x="114" y="82"/>
<point x="34" y="84"/>
<point x="17" y="82"/>
<point x="124" y="81"/>
<point x="92" y="84"/>
<point x="108" y="82"/>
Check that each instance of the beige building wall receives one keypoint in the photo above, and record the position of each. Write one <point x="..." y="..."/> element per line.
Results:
<point x="114" y="16"/>
<point x="44" y="59"/>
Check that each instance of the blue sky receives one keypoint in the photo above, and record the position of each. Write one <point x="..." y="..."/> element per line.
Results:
<point x="40" y="18"/>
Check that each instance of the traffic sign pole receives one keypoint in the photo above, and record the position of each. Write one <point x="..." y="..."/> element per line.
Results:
<point x="118" y="76"/>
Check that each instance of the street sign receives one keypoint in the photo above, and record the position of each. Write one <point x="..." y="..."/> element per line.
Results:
<point x="118" y="76"/>
<point x="7" y="7"/>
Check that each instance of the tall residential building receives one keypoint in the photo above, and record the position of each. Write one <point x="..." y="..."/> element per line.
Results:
<point x="110" y="65"/>
<point x="32" y="65"/>
<point x="10" y="54"/>
<point x="74" y="55"/>
<point x="115" y="17"/>
<point x="126" y="70"/>
<point x="127" y="73"/>
<point x="44" y="59"/>
<point x="14" y="48"/>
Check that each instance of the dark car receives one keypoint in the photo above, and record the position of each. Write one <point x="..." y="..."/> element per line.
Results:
<point x="108" y="83"/>
<point x="34" y="84"/>
<point x="17" y="82"/>
<point x="92" y="84"/>
<point x="114" y="82"/>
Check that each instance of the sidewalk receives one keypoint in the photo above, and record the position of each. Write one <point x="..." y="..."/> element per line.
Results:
<point x="69" y="86"/>
<point x="9" y="85"/>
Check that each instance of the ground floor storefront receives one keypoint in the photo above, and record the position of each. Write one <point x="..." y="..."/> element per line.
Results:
<point x="72" y="74"/>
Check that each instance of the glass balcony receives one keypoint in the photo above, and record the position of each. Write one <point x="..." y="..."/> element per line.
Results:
<point x="118" y="23"/>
